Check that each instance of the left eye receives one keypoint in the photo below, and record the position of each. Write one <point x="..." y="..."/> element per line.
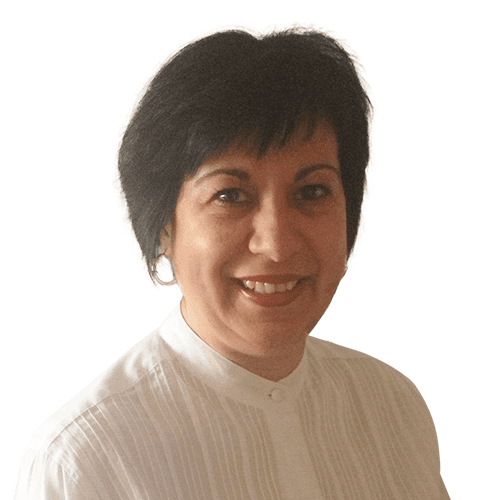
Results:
<point x="232" y="195"/>
<point x="313" y="192"/>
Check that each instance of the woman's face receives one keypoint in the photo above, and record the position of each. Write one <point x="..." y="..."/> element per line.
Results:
<point x="260" y="244"/>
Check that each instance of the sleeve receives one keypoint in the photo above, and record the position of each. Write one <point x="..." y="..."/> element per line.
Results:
<point x="43" y="478"/>
<point x="424" y="431"/>
<point x="443" y="492"/>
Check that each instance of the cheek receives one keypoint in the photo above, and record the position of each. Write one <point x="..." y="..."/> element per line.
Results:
<point x="331" y="248"/>
<point x="203" y="249"/>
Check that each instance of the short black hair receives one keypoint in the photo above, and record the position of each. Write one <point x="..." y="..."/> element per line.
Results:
<point x="232" y="84"/>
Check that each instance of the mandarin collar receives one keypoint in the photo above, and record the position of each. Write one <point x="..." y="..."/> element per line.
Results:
<point x="226" y="377"/>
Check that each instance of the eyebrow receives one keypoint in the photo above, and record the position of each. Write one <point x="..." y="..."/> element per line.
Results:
<point x="236" y="172"/>
<point x="304" y="172"/>
<point x="245" y="176"/>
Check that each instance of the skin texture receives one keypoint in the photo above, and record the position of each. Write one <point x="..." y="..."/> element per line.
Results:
<point x="260" y="220"/>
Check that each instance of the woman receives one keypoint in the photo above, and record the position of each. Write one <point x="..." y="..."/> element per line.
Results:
<point x="244" y="166"/>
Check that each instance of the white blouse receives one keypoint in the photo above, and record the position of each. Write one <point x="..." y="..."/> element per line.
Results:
<point x="173" y="419"/>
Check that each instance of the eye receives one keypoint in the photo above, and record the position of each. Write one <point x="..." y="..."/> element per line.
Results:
<point x="313" y="192"/>
<point x="232" y="195"/>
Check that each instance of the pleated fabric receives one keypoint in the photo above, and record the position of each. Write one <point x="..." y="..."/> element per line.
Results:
<point x="173" y="419"/>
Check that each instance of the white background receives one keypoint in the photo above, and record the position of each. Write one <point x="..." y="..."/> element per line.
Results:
<point x="421" y="292"/>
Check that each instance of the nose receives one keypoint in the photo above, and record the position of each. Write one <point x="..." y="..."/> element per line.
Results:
<point x="275" y="233"/>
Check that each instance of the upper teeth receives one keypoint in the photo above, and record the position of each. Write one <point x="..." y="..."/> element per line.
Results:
<point x="260" y="287"/>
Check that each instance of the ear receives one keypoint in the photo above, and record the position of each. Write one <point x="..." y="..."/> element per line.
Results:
<point x="166" y="241"/>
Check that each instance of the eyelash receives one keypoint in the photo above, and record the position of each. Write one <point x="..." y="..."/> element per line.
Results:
<point x="326" y="192"/>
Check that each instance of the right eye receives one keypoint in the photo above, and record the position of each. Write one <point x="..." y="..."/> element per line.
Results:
<point x="230" y="196"/>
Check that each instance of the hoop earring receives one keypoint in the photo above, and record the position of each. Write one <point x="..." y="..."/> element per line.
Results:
<point x="156" y="274"/>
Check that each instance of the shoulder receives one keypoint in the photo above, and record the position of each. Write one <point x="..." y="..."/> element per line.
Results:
<point x="362" y="372"/>
<point x="327" y="353"/>
<point x="122" y="376"/>
<point x="66" y="451"/>
<point x="366" y="385"/>
<point x="374" y="402"/>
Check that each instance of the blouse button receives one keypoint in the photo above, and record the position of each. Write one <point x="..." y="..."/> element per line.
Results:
<point x="278" y="395"/>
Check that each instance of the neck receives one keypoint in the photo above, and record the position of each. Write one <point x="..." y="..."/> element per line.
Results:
<point x="272" y="367"/>
<point x="261" y="355"/>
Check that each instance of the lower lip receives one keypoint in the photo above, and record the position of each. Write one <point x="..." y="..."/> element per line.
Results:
<point x="276" y="299"/>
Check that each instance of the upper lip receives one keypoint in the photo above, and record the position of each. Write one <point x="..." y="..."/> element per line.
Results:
<point x="273" y="279"/>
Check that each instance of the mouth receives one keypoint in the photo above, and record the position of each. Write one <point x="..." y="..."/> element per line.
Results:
<point x="272" y="291"/>
<point x="263" y="287"/>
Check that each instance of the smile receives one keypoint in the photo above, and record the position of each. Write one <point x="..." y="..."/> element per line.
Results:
<point x="268" y="288"/>
<point x="272" y="291"/>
